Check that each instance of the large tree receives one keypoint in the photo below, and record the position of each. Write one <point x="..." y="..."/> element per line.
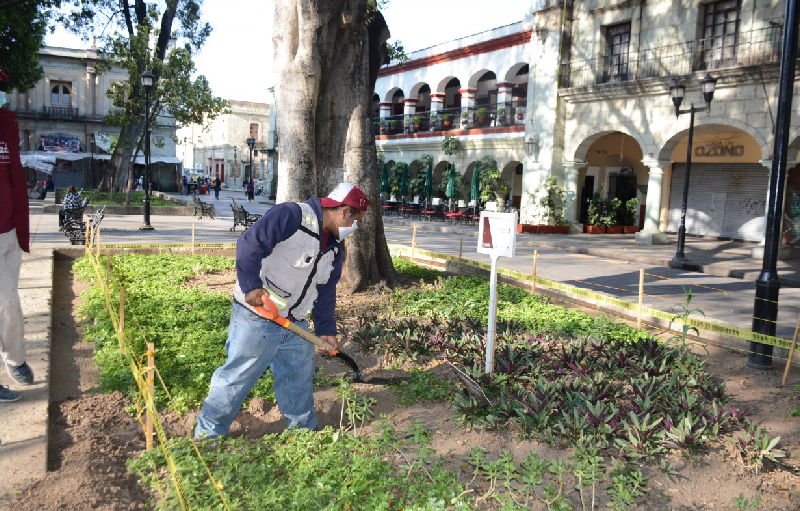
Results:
<point x="141" y="36"/>
<point x="327" y="57"/>
<point x="23" y="24"/>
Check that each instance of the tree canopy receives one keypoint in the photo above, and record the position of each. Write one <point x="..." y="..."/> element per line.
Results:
<point x="158" y="37"/>
<point x="23" y="24"/>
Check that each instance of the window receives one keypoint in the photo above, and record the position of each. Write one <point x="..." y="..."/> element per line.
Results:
<point x="59" y="94"/>
<point x="720" y="29"/>
<point x="254" y="130"/>
<point x="618" y="40"/>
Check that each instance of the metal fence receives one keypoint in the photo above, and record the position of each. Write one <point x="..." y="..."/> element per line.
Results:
<point x="756" y="47"/>
<point x="477" y="117"/>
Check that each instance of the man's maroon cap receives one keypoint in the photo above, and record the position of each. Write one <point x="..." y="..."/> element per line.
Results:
<point x="347" y="195"/>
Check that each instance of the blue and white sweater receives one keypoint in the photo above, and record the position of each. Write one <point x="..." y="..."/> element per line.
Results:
<point x="282" y="253"/>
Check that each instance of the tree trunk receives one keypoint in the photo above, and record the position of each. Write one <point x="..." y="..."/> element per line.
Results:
<point x="327" y="56"/>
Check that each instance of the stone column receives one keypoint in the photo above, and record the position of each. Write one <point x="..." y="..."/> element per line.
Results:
<point x="651" y="234"/>
<point x="572" y="170"/>
<point x="467" y="102"/>
<point x="386" y="110"/>
<point x="504" y="95"/>
<point x="757" y="252"/>
<point x="437" y="102"/>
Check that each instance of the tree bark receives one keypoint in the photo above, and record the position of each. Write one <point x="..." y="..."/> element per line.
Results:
<point x="327" y="56"/>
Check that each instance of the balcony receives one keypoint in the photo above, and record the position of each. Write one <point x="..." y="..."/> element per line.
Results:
<point x="63" y="113"/>
<point x="754" y="48"/>
<point x="499" y="117"/>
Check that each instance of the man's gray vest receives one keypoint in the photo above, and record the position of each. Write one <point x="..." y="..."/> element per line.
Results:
<point x="293" y="270"/>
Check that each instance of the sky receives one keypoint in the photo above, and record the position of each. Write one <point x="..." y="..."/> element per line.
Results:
<point x="237" y="57"/>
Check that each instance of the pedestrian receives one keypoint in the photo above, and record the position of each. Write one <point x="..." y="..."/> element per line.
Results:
<point x="71" y="201"/>
<point x="49" y="186"/>
<point x="217" y="186"/>
<point x="185" y="186"/>
<point x="250" y="190"/>
<point x="293" y="255"/>
<point x="14" y="232"/>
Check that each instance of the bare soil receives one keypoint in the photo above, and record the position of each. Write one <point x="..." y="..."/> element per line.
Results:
<point x="91" y="435"/>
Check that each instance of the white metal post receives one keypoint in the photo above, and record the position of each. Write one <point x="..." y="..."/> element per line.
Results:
<point x="490" y="333"/>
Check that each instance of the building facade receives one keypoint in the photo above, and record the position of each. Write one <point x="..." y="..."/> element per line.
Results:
<point x="62" y="122"/>
<point x="220" y="149"/>
<point x="592" y="80"/>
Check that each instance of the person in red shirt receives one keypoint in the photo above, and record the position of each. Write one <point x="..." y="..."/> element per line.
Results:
<point x="14" y="238"/>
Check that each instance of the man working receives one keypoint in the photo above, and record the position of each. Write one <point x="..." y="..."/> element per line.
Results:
<point x="13" y="240"/>
<point x="293" y="256"/>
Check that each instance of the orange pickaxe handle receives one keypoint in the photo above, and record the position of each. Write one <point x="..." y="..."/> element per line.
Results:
<point x="270" y="311"/>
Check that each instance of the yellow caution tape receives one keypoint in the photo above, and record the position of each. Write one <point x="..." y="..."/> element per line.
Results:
<point x="166" y="245"/>
<point x="700" y="324"/>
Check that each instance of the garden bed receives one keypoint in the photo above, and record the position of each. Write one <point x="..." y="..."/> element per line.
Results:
<point x="85" y="423"/>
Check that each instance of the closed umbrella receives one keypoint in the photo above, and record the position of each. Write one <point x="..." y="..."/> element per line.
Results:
<point x="450" y="192"/>
<point x="385" y="178"/>
<point x="429" y="181"/>
<point x="475" y="189"/>
<point x="404" y="181"/>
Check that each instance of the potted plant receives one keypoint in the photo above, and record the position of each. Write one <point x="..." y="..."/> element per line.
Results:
<point x="520" y="115"/>
<point x="595" y="223"/>
<point x="502" y="114"/>
<point x="611" y="218"/>
<point x="491" y="186"/>
<point x="481" y="114"/>
<point x="407" y="124"/>
<point x="382" y="126"/>
<point x="393" y="126"/>
<point x="433" y="119"/>
<point x="416" y="120"/>
<point x="628" y="220"/>
<point x="446" y="120"/>
<point x="465" y="118"/>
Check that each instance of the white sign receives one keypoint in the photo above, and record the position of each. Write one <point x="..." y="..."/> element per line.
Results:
<point x="497" y="234"/>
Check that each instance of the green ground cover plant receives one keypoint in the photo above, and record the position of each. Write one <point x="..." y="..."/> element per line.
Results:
<point x="306" y="470"/>
<point x="118" y="199"/>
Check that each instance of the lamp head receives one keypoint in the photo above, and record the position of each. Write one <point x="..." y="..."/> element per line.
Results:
<point x="251" y="142"/>
<point x="709" y="85"/>
<point x="147" y="80"/>
<point x="677" y="91"/>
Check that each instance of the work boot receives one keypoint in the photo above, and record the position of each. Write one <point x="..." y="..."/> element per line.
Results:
<point x="21" y="374"/>
<point x="7" y="395"/>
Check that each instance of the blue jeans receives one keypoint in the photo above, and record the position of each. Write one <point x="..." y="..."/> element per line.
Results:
<point x="255" y="344"/>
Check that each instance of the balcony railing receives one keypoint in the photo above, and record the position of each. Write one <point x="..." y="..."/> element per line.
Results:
<point x="493" y="116"/>
<point x="756" y="47"/>
<point x="61" y="112"/>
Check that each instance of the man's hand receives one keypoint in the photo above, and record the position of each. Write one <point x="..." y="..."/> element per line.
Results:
<point x="254" y="297"/>
<point x="330" y="339"/>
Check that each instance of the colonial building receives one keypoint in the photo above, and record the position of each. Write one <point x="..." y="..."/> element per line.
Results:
<point x="221" y="149"/>
<point x="62" y="122"/>
<point x="592" y="80"/>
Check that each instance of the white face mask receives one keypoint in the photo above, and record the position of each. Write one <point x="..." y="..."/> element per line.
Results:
<point x="346" y="231"/>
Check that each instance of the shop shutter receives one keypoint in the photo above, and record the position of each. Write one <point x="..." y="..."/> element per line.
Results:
<point x="726" y="200"/>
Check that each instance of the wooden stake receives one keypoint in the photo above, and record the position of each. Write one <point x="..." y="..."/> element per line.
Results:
<point x="791" y="351"/>
<point x="87" y="241"/>
<point x="121" y="333"/>
<point x="151" y="362"/>
<point x="108" y="270"/>
<point x="535" y="257"/>
<point x="413" y="243"/>
<point x="460" y="250"/>
<point x="641" y="298"/>
<point x="192" y="238"/>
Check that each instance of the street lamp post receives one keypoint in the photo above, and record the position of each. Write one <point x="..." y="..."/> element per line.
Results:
<point x="147" y="83"/>
<point x="251" y="142"/>
<point x="677" y="92"/>
<point x="91" y="162"/>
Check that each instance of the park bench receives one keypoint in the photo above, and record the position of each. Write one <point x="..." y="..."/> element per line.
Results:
<point x="75" y="227"/>
<point x="242" y="217"/>
<point x="75" y="214"/>
<point x="204" y="208"/>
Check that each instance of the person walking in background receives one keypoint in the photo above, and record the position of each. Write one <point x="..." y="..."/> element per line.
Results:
<point x="293" y="256"/>
<point x="14" y="234"/>
<point x="217" y="186"/>
<point x="185" y="186"/>
<point x="49" y="186"/>
<point x="71" y="201"/>
<point x="250" y="190"/>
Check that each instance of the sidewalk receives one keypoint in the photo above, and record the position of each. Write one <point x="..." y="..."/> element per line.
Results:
<point x="23" y="427"/>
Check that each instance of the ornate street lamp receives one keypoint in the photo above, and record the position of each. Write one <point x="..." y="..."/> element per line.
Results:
<point x="147" y="83"/>
<point x="677" y="91"/>
<point x="251" y="142"/>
